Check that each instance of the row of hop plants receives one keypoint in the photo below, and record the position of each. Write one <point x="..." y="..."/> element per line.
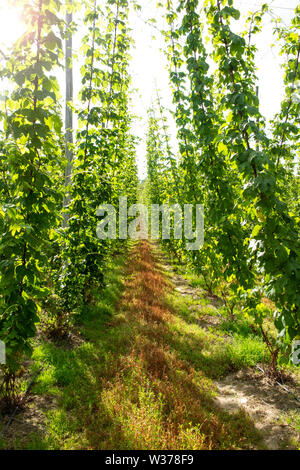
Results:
<point x="50" y="257"/>
<point x="241" y="170"/>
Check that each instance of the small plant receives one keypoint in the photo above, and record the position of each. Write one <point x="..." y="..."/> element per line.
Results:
<point x="10" y="388"/>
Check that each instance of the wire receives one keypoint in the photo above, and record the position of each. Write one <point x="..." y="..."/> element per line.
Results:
<point x="282" y="8"/>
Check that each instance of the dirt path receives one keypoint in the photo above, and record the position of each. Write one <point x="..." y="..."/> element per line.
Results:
<point x="266" y="404"/>
<point x="157" y="399"/>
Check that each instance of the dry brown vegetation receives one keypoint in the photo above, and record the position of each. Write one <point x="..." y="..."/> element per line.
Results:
<point x="159" y="400"/>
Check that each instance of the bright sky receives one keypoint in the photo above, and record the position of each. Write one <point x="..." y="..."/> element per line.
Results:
<point x="10" y="24"/>
<point x="149" y="64"/>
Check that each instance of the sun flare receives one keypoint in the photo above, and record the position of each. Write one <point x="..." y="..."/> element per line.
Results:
<point x="11" y="25"/>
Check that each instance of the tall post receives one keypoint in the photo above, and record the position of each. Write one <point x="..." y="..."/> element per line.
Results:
<point x="69" y="112"/>
<point x="257" y="94"/>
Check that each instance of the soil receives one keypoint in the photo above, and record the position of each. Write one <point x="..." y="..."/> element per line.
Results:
<point x="267" y="404"/>
<point x="30" y="419"/>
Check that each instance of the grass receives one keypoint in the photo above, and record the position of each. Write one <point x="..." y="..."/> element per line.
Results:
<point x="241" y="328"/>
<point x="210" y="351"/>
<point x="140" y="375"/>
<point x="218" y="349"/>
<point x="65" y="367"/>
<point x="294" y="421"/>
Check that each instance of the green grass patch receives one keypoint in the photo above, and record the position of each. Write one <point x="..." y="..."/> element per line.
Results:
<point x="217" y="349"/>
<point x="139" y="374"/>
<point x="71" y="373"/>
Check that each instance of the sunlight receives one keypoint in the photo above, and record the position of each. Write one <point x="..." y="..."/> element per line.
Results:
<point x="11" y="25"/>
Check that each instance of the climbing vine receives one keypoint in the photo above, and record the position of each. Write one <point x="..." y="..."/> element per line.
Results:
<point x="243" y="170"/>
<point x="231" y="164"/>
<point x="30" y="161"/>
<point x="50" y="263"/>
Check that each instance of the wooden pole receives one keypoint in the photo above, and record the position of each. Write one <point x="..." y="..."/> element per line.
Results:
<point x="69" y="112"/>
<point x="257" y="93"/>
